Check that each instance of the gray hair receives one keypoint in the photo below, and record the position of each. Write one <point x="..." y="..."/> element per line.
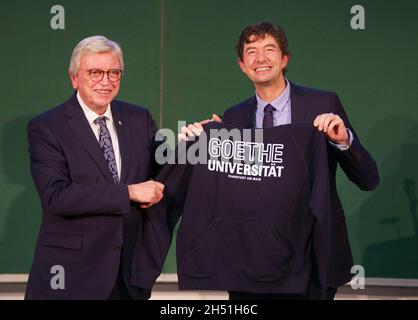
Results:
<point x="94" y="44"/>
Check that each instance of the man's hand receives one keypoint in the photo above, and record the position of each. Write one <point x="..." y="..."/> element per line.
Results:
<point x="146" y="193"/>
<point x="196" y="128"/>
<point x="334" y="128"/>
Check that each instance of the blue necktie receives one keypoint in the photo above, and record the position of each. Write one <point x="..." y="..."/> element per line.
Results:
<point x="105" y="142"/>
<point x="268" y="116"/>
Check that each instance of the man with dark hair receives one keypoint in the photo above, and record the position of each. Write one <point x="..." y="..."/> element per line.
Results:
<point x="263" y="56"/>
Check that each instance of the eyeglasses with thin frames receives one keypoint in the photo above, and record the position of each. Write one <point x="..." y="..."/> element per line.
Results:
<point x="97" y="75"/>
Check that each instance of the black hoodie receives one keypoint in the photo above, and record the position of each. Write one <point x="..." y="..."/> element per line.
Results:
<point x="251" y="227"/>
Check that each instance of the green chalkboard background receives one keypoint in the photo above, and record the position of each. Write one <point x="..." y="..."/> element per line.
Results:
<point x="180" y="64"/>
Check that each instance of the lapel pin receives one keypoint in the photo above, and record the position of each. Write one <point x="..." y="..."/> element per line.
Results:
<point x="120" y="122"/>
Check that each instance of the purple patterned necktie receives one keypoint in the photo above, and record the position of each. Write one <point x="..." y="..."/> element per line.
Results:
<point x="268" y="116"/>
<point x="105" y="142"/>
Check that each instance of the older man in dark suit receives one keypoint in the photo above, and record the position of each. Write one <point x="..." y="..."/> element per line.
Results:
<point x="91" y="160"/>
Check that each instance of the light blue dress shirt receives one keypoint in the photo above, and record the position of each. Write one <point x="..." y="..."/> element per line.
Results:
<point x="283" y="114"/>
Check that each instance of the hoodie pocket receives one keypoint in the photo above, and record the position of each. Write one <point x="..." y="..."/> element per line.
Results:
<point x="243" y="249"/>
<point x="202" y="251"/>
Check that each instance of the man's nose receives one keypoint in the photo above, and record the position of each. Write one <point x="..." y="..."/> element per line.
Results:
<point x="105" y="79"/>
<point x="260" y="57"/>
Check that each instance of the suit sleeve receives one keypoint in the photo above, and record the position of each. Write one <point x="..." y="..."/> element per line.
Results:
<point x="356" y="162"/>
<point x="321" y="209"/>
<point x="59" y="195"/>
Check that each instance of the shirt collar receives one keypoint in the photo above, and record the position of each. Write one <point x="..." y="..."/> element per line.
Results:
<point x="279" y="103"/>
<point x="90" y="114"/>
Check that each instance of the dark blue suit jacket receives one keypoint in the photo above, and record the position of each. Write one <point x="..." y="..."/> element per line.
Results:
<point x="88" y="222"/>
<point x="356" y="162"/>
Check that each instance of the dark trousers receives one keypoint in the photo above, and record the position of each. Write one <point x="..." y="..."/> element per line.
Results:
<point x="120" y="290"/>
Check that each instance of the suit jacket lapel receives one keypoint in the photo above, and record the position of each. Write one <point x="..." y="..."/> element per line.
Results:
<point x="249" y="120"/>
<point x="81" y="128"/>
<point x="253" y="107"/>
<point x="122" y="129"/>
<point x="298" y="104"/>
<point x="298" y="107"/>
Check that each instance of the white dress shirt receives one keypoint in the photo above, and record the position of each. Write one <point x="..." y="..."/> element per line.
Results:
<point x="91" y="116"/>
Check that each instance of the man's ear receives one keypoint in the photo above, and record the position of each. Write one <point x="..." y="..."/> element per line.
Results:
<point x="285" y="61"/>
<point x="241" y="65"/>
<point x="74" y="81"/>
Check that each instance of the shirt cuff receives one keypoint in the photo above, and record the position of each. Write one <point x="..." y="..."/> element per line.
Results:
<point x="344" y="147"/>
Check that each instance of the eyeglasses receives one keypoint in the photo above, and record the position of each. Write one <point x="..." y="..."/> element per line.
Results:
<point x="97" y="75"/>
